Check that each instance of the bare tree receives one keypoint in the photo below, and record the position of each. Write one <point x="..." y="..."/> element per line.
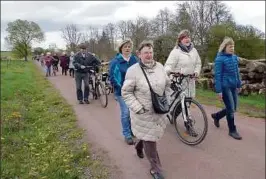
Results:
<point x="140" y="30"/>
<point x="124" y="29"/>
<point x="71" y="35"/>
<point x="111" y="31"/>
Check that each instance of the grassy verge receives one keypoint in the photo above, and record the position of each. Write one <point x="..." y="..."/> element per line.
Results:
<point x="253" y="105"/>
<point x="40" y="138"/>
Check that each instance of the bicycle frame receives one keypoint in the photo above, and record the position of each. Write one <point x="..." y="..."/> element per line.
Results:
<point x="178" y="92"/>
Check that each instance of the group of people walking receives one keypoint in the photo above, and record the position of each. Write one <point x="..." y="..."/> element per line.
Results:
<point x="50" y="63"/>
<point x="136" y="77"/>
<point x="133" y="77"/>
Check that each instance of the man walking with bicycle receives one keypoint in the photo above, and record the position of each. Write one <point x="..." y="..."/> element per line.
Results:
<point x="81" y="62"/>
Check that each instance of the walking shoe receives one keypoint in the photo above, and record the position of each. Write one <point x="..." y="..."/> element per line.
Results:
<point x="140" y="153"/>
<point x="129" y="141"/>
<point x="235" y="135"/>
<point x="87" y="101"/>
<point x="156" y="175"/>
<point x="190" y="130"/>
<point x="216" y="122"/>
<point x="81" y="102"/>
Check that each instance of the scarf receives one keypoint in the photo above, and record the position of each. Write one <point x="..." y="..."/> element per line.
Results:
<point x="185" y="48"/>
<point x="148" y="66"/>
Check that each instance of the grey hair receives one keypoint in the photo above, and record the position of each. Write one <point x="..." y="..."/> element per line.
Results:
<point x="226" y="41"/>
<point x="145" y="43"/>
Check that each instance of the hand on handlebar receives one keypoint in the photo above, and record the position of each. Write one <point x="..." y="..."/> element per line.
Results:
<point x="177" y="74"/>
<point x="82" y="67"/>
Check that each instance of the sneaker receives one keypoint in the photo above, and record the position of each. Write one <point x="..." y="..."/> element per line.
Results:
<point x="156" y="175"/>
<point x="216" y="122"/>
<point x="81" y="102"/>
<point x="235" y="135"/>
<point x="129" y="141"/>
<point x="86" y="102"/>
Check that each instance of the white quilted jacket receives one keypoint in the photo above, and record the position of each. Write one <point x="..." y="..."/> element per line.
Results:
<point x="149" y="126"/>
<point x="185" y="63"/>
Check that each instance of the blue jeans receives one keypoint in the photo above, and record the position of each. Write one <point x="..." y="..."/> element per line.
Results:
<point x="48" y="70"/>
<point x="125" y="117"/>
<point x="230" y="102"/>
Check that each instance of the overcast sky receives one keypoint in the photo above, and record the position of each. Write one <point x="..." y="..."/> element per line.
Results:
<point x="53" y="15"/>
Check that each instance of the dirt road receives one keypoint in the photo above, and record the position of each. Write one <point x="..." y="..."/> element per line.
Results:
<point x="218" y="157"/>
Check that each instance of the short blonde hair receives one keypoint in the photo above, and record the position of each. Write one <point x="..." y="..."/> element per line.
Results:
<point x="126" y="41"/>
<point x="226" y="41"/>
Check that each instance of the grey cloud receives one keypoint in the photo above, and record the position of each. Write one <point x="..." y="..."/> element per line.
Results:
<point x="102" y="10"/>
<point x="52" y="16"/>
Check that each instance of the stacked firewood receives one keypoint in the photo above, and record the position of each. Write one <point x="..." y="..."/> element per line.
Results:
<point x="252" y="74"/>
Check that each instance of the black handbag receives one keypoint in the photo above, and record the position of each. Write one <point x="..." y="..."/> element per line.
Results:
<point x="160" y="103"/>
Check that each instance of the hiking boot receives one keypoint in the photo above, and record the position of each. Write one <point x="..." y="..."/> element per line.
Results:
<point x="216" y="122"/>
<point x="129" y="141"/>
<point x="81" y="102"/>
<point x="235" y="135"/>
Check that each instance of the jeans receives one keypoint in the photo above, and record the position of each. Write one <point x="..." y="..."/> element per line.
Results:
<point x="78" y="78"/>
<point x="71" y="72"/>
<point x="230" y="102"/>
<point x="48" y="70"/>
<point x="125" y="118"/>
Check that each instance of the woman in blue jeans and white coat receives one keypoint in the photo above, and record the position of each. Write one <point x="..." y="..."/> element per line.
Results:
<point x="118" y="68"/>
<point x="227" y="85"/>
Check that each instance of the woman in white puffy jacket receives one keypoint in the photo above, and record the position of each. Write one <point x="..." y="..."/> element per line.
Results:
<point x="184" y="59"/>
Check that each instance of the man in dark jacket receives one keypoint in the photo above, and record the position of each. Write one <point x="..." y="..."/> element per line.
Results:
<point x="81" y="62"/>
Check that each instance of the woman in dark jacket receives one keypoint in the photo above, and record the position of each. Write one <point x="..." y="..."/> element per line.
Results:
<point x="64" y="63"/>
<point x="227" y="85"/>
<point x="56" y="61"/>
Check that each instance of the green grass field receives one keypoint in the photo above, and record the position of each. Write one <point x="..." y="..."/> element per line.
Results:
<point x="40" y="138"/>
<point x="253" y="105"/>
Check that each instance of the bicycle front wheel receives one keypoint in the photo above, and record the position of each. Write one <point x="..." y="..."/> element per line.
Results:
<point x="102" y="95"/>
<point x="194" y="130"/>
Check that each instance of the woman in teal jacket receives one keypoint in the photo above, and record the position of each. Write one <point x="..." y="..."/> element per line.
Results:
<point x="227" y="85"/>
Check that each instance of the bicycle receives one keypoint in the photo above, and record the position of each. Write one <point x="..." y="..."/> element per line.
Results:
<point x="183" y="106"/>
<point x="97" y="88"/>
<point x="107" y="83"/>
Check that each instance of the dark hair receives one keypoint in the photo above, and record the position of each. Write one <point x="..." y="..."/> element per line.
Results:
<point x="82" y="46"/>
<point x="145" y="43"/>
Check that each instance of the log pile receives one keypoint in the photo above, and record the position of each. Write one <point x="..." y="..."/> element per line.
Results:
<point x="252" y="74"/>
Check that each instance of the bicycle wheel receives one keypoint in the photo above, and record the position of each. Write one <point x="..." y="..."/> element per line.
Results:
<point x="101" y="93"/>
<point x="195" y="114"/>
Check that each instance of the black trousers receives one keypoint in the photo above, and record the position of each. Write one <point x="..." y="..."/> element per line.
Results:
<point x="78" y="78"/>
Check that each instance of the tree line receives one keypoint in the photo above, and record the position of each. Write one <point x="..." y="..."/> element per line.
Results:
<point x="208" y="21"/>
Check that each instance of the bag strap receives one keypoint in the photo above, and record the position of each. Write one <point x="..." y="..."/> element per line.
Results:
<point x="146" y="78"/>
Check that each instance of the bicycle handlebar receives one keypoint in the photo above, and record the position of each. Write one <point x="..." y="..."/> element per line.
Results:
<point x="182" y="75"/>
<point x="93" y="66"/>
